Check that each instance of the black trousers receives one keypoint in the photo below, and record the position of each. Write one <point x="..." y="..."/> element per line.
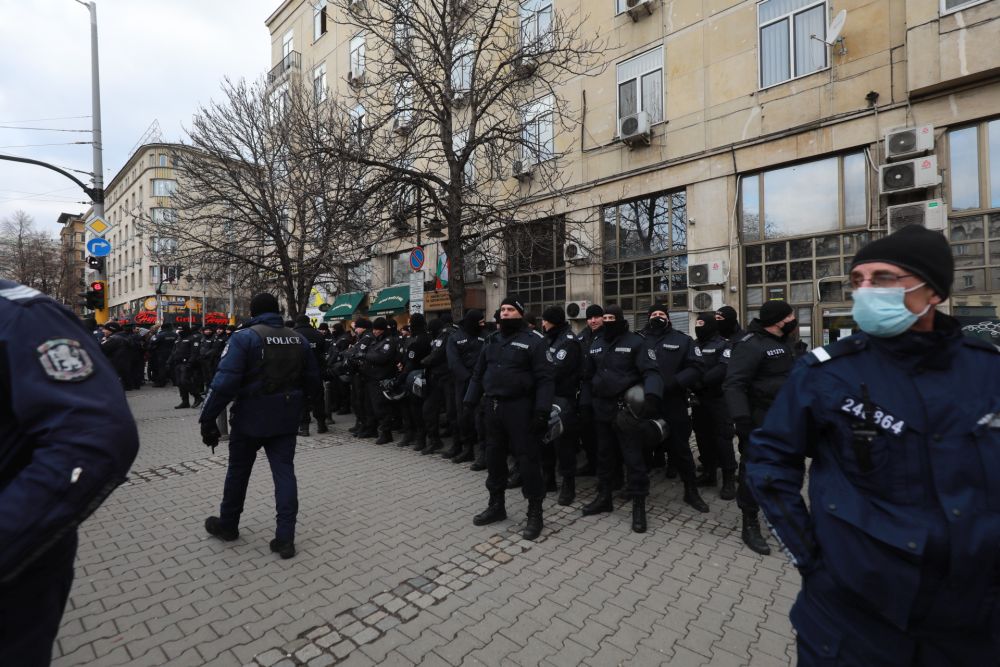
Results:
<point x="413" y="414"/>
<point x="678" y="443"/>
<point x="465" y="419"/>
<point x="588" y="435"/>
<point x="381" y="410"/>
<point x="561" y="454"/>
<point x="507" y="433"/>
<point x="280" y="452"/>
<point x="433" y="404"/>
<point x="612" y="450"/>
<point x="713" y="433"/>
<point x="744" y="498"/>
<point x="359" y="399"/>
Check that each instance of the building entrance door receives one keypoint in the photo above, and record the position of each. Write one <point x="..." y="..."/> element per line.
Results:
<point x="837" y="323"/>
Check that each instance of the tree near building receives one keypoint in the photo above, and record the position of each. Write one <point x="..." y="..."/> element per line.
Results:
<point x="30" y="256"/>
<point x="258" y="203"/>
<point x="460" y="105"/>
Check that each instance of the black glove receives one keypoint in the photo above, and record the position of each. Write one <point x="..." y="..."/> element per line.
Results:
<point x="743" y="426"/>
<point x="210" y="434"/>
<point x="651" y="407"/>
<point x="539" y="423"/>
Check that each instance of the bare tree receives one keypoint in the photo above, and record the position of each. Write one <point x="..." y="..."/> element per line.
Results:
<point x="30" y="256"/>
<point x="459" y="103"/>
<point x="259" y="203"/>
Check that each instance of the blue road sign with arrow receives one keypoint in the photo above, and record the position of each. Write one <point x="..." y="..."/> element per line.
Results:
<point x="99" y="247"/>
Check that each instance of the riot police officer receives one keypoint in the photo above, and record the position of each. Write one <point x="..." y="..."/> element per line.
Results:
<point x="160" y="346"/>
<point x="515" y="378"/>
<point x="438" y="382"/>
<point x="67" y="439"/>
<point x="354" y="357"/>
<point x="898" y="546"/>
<point x="415" y="347"/>
<point x="588" y="438"/>
<point x="269" y="373"/>
<point x="379" y="363"/>
<point x="117" y="347"/>
<point x="566" y="356"/>
<point x="758" y="367"/>
<point x="462" y="349"/>
<point x="712" y="427"/>
<point x="317" y="344"/>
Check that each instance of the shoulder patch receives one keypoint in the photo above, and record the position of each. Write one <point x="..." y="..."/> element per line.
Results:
<point x="746" y="337"/>
<point x="843" y="347"/>
<point x="561" y="354"/>
<point x="980" y="344"/>
<point x="697" y="351"/>
<point x="727" y="353"/>
<point x="537" y="333"/>
<point x="65" y="360"/>
<point x="652" y="353"/>
<point x="19" y="293"/>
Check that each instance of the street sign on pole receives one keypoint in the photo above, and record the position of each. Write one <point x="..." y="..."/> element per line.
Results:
<point x="416" y="292"/>
<point x="99" y="247"/>
<point x="417" y="259"/>
<point x="97" y="226"/>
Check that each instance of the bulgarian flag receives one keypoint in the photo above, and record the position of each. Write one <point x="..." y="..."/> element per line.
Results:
<point x="441" y="272"/>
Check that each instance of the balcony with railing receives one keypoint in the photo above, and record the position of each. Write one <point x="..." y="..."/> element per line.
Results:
<point x="292" y="62"/>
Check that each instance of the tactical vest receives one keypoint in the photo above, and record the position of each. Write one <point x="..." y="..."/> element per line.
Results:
<point x="281" y="363"/>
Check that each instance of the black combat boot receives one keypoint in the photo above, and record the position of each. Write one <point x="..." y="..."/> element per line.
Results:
<point x="420" y="443"/>
<point x="321" y="426"/>
<point x="599" y="505"/>
<point x="384" y="436"/>
<point x="214" y="527"/>
<point x="728" y="490"/>
<point x="567" y="494"/>
<point x="197" y="400"/>
<point x="407" y="439"/>
<point x="495" y="511"/>
<point x="356" y="429"/>
<point x="639" y="514"/>
<point x="480" y="462"/>
<point x="707" y="478"/>
<point x="433" y="445"/>
<point x="453" y="451"/>
<point x="284" y="548"/>
<point x="465" y="455"/>
<point x="183" y="405"/>
<point x="751" y="534"/>
<point x="693" y="498"/>
<point x="304" y="430"/>
<point x="533" y="524"/>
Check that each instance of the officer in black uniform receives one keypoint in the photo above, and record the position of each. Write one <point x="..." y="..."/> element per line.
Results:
<point x="588" y="437"/>
<point x="304" y="328"/>
<point x="354" y="357"/>
<point x="615" y="362"/>
<point x="462" y="349"/>
<point x="758" y="367"/>
<point x="67" y="440"/>
<point x="729" y="324"/>
<point x="712" y="427"/>
<point x="379" y="363"/>
<point x="269" y="373"/>
<point x="516" y="378"/>
<point x="414" y="348"/>
<point x="566" y="356"/>
<point x="184" y="366"/>
<point x="438" y="381"/>
<point x="679" y="361"/>
<point x="117" y="347"/>
<point x="160" y="346"/>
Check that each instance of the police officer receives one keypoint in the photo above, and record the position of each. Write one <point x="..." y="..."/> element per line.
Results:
<point x="269" y="373"/>
<point x="317" y="344"/>
<point x="160" y="346"/>
<point x="379" y="363"/>
<point x="898" y="547"/>
<point x="462" y="349"/>
<point x="615" y="362"/>
<point x="712" y="427"/>
<point x="67" y="439"/>
<point x="728" y="323"/>
<point x="516" y="379"/>
<point x="758" y="367"/>
<point x="415" y="347"/>
<point x="117" y="347"/>
<point x="566" y="356"/>
<point x="588" y="438"/>
<point x="360" y="405"/>
<point x="438" y="382"/>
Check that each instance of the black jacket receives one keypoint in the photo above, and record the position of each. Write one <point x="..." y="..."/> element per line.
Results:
<point x="715" y="354"/>
<point x="436" y="361"/>
<point x="380" y="357"/>
<point x="415" y="348"/>
<point x="610" y="367"/>
<point x="677" y="358"/>
<point x="514" y="366"/>
<point x="758" y="367"/>
<point x="463" y="352"/>
<point x="566" y="355"/>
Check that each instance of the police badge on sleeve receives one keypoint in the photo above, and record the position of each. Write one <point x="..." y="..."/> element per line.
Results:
<point x="65" y="360"/>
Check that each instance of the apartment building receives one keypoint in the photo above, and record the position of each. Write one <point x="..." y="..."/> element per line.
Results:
<point x="736" y="151"/>
<point x="72" y="238"/>
<point x="143" y="284"/>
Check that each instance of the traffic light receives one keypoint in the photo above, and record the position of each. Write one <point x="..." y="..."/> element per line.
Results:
<point x="96" y="263"/>
<point x="95" y="297"/>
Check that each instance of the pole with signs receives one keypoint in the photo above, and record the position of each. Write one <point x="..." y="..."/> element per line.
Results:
<point x="416" y="292"/>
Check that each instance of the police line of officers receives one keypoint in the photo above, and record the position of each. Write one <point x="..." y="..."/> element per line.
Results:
<point x="536" y="396"/>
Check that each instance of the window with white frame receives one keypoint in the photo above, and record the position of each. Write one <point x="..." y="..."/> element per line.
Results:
<point x="163" y="215"/>
<point x="357" y="123"/>
<point x="459" y="141"/>
<point x="462" y="62"/>
<point x="792" y="36"/>
<point x="536" y="23"/>
<point x="948" y="6"/>
<point x="640" y="85"/>
<point x="319" y="83"/>
<point x="279" y="102"/>
<point x="538" y="133"/>
<point x="358" y="55"/>
<point x="287" y="44"/>
<point x="319" y="19"/>
<point x="164" y="187"/>
<point x="163" y="246"/>
<point x="404" y="101"/>
<point x="163" y="160"/>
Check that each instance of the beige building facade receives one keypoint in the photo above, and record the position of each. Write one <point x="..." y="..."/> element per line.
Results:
<point x="735" y="151"/>
<point x="72" y="239"/>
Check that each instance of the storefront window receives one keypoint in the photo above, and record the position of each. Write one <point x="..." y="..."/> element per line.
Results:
<point x="975" y="244"/>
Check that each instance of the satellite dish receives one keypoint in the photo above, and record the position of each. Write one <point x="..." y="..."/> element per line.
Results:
<point x="836" y="26"/>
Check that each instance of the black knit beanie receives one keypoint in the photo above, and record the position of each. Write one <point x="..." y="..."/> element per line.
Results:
<point x="917" y="249"/>
<point x="511" y="301"/>
<point x="773" y="312"/>
<point x="418" y="322"/>
<point x="379" y="323"/>
<point x="594" y="310"/>
<point x="554" y="315"/>
<point x="658" y="306"/>
<point x="263" y="303"/>
<point x="363" y="323"/>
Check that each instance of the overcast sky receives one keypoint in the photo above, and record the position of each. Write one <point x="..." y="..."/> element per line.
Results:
<point x="159" y="60"/>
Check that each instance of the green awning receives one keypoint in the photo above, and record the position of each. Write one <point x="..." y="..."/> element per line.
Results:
<point x="344" y="306"/>
<point x="390" y="300"/>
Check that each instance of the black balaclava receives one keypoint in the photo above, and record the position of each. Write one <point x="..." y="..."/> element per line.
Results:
<point x="418" y="323"/>
<point x="658" y="324"/>
<point x="435" y="326"/>
<point x="470" y="323"/>
<point x="708" y="329"/>
<point x="613" y="330"/>
<point x="729" y="322"/>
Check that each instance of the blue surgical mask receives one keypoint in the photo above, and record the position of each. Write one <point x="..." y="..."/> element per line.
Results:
<point x="882" y="311"/>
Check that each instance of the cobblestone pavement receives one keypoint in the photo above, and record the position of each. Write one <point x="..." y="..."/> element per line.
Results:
<point x="390" y="569"/>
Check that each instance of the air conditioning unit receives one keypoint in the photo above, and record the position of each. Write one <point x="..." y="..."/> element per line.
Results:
<point x="356" y="5"/>
<point x="522" y="170"/>
<point x="576" y="310"/>
<point x="635" y="129"/>
<point x="932" y="214"/>
<point x="573" y="253"/>
<point x="638" y="8"/>
<point x="402" y="125"/>
<point x="710" y="273"/>
<point x="460" y="98"/>
<point x="525" y="66"/>
<point x="708" y="300"/>
<point x="909" y="175"/>
<point x="355" y="78"/>
<point x="908" y="141"/>
<point x="487" y="268"/>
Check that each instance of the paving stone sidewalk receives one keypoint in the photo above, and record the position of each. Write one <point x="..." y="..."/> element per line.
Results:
<point x="390" y="569"/>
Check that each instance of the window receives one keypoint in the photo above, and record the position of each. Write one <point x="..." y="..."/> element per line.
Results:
<point x="809" y="198"/>
<point x="401" y="24"/>
<point x="974" y="167"/>
<point x="319" y="83"/>
<point x="287" y="44"/>
<point x="163" y="215"/>
<point x="949" y="6"/>
<point x="535" y="267"/>
<point x="645" y="252"/>
<point x="152" y="160"/>
<point x="359" y="277"/>
<point x="357" y="123"/>
<point x="163" y="160"/>
<point x="163" y="246"/>
<point x="164" y="187"/>
<point x="319" y="19"/>
<point x="640" y="85"/>
<point x="279" y="102"/>
<point x="459" y="141"/>
<point x="538" y="133"/>
<point x="975" y="244"/>
<point x="404" y="101"/>
<point x="787" y="45"/>
<point x="399" y="268"/>
<point x="358" y="56"/>
<point x="463" y="60"/>
<point x="536" y="24"/>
